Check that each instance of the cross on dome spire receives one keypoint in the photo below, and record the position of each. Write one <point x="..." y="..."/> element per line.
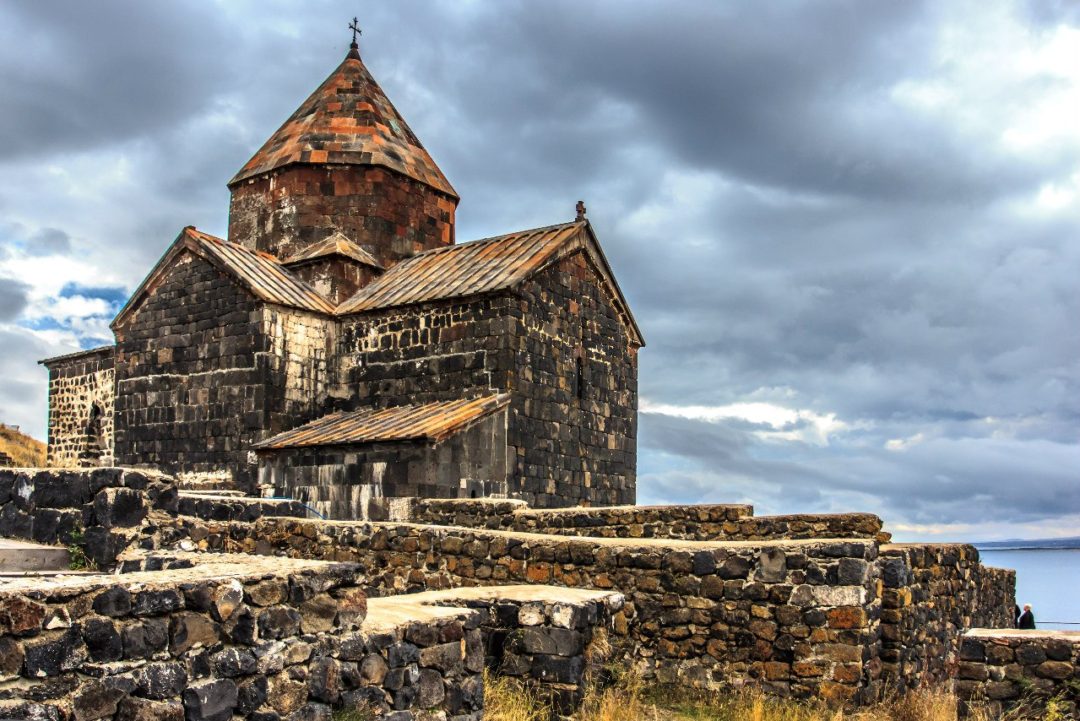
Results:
<point x="355" y="27"/>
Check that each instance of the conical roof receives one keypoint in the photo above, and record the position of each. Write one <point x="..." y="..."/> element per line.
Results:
<point x="349" y="121"/>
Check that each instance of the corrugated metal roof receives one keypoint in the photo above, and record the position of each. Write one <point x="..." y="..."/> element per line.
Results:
<point x="481" y="266"/>
<point x="348" y="120"/>
<point x="262" y="273"/>
<point x="336" y="244"/>
<point x="427" y="422"/>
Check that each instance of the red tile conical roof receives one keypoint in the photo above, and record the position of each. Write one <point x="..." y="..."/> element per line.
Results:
<point x="348" y="121"/>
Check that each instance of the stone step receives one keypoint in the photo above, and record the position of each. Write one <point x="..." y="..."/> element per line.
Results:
<point x="213" y="507"/>
<point x="18" y="556"/>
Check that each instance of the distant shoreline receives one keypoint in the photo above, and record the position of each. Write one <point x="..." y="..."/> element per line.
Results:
<point x="1025" y="548"/>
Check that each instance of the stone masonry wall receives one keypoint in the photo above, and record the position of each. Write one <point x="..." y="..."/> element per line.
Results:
<point x="731" y="522"/>
<point x="301" y="366"/>
<point x="389" y="215"/>
<point x="1009" y="667"/>
<point x="551" y="638"/>
<point x="100" y="510"/>
<point x="81" y="396"/>
<point x="428" y="353"/>
<point x="192" y="375"/>
<point x="212" y="642"/>
<point x="354" y="483"/>
<point x="570" y="442"/>
<point x="932" y="594"/>
<point x="797" y="617"/>
<point x="573" y="422"/>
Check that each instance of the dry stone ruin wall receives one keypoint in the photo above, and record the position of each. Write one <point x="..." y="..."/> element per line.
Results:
<point x="732" y="522"/>
<point x="799" y="617"/>
<point x="573" y="424"/>
<point x="82" y="391"/>
<point x="1003" y="666"/>
<point x="932" y="594"/>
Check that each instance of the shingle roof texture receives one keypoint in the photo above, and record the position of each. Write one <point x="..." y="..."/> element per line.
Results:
<point x="427" y="422"/>
<point x="348" y="120"/>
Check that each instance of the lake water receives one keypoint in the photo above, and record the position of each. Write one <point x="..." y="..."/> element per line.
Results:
<point x="1048" y="579"/>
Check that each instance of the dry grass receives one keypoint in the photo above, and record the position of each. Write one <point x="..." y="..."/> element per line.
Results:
<point x="630" y="700"/>
<point x="23" y="449"/>
<point x="506" y="699"/>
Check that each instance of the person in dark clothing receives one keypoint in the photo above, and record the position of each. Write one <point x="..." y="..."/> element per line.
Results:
<point x="1016" y="616"/>
<point x="1027" y="618"/>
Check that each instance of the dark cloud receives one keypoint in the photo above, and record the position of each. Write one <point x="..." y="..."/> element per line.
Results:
<point x="83" y="75"/>
<point x="13" y="298"/>
<point x="789" y="226"/>
<point x="49" y="241"/>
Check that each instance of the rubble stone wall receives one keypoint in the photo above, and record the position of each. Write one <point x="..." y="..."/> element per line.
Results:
<point x="388" y="214"/>
<point x="573" y="421"/>
<point x="550" y="638"/>
<point x="213" y="642"/>
<point x="81" y="395"/>
<point x="730" y="522"/>
<point x="798" y="617"/>
<point x="932" y="594"/>
<point x="100" y="510"/>
<point x="1010" y="667"/>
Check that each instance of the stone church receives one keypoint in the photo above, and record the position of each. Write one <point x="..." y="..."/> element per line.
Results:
<point x="340" y="347"/>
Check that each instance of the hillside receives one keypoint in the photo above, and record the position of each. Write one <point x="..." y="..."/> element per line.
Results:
<point x="24" y="450"/>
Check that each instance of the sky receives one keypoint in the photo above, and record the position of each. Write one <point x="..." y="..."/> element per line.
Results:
<point x="850" y="231"/>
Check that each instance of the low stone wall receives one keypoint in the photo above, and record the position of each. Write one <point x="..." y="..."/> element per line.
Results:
<point x="732" y="522"/>
<point x="932" y="594"/>
<point x="551" y="638"/>
<point x="99" y="510"/>
<point x="1009" y="667"/>
<point x="797" y="617"/>
<point x="218" y="507"/>
<point x="239" y="638"/>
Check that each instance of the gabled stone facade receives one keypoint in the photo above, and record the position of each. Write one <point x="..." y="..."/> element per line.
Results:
<point x="341" y="288"/>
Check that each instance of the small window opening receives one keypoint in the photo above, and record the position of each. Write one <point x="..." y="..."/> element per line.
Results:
<point x="94" y="443"/>
<point x="580" y="378"/>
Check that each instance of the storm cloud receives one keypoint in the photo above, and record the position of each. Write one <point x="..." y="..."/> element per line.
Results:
<point x="847" y="229"/>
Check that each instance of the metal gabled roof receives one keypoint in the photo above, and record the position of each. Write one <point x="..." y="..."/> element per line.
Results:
<point x="486" y="266"/>
<point x="260" y="273"/>
<point x="428" y="422"/>
<point x="336" y="244"/>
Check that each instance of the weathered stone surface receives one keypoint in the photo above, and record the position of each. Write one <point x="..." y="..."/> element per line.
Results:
<point x="161" y="680"/>
<point x="96" y="700"/>
<point x="54" y="654"/>
<point x="210" y="700"/>
<point x="102" y="640"/>
<point x="133" y="708"/>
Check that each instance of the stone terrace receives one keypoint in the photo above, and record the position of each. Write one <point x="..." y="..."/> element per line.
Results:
<point x="836" y="614"/>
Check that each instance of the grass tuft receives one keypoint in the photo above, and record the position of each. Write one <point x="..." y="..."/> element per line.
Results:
<point x="627" y="698"/>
